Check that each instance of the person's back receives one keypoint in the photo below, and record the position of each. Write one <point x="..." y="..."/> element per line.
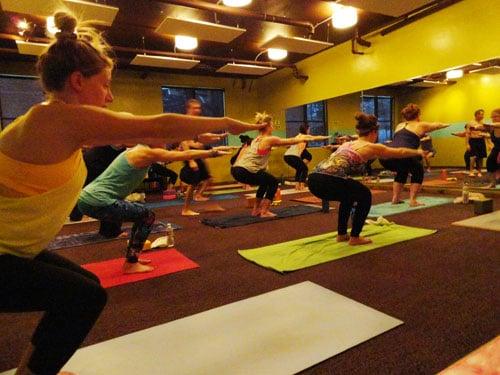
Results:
<point x="254" y="159"/>
<point x="346" y="161"/>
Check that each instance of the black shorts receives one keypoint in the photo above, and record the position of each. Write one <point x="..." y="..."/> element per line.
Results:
<point x="191" y="177"/>
<point x="477" y="147"/>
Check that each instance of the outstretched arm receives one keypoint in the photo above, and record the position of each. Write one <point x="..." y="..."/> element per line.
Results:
<point x="277" y="141"/>
<point x="71" y="126"/>
<point x="384" y="152"/>
<point x="144" y="156"/>
<point x="432" y="126"/>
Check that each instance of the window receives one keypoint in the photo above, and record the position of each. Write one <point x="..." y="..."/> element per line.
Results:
<point x="17" y="95"/>
<point x="212" y="101"/>
<point x="312" y="114"/>
<point x="380" y="106"/>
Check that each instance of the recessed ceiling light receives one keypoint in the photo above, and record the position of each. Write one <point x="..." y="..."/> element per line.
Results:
<point x="236" y="3"/>
<point x="185" y="43"/>
<point x="277" y="53"/>
<point x="343" y="16"/>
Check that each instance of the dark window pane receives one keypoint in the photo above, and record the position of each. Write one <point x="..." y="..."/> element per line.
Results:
<point x="368" y="104"/>
<point x="212" y="101"/>
<point x="315" y="111"/>
<point x="17" y="95"/>
<point x="292" y="128"/>
<point x="295" y="114"/>
<point x="384" y="110"/>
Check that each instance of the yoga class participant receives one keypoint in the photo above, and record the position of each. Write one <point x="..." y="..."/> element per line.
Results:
<point x="195" y="173"/>
<point x="298" y="157"/>
<point x="96" y="159"/>
<point x="41" y="176"/>
<point x="408" y="134"/>
<point x="493" y="161"/>
<point x="475" y="142"/>
<point x="331" y="179"/>
<point x="251" y="167"/>
<point x="103" y="199"/>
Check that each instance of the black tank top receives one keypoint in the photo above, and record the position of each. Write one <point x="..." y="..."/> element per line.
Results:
<point x="405" y="138"/>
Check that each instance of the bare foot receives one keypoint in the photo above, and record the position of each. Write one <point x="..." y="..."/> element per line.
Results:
<point x="354" y="241"/>
<point x="267" y="214"/>
<point x="397" y="202"/>
<point x="189" y="213"/>
<point x="200" y="198"/>
<point x="144" y="261"/>
<point x="129" y="268"/>
<point x="479" y="174"/>
<point x="256" y="212"/>
<point x="123" y="235"/>
<point x="415" y="204"/>
<point x="343" y="237"/>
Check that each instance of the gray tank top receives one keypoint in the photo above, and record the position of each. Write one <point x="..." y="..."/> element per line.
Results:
<point x="254" y="160"/>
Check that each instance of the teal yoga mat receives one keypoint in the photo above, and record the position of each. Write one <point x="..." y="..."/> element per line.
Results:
<point x="311" y="251"/>
<point x="388" y="209"/>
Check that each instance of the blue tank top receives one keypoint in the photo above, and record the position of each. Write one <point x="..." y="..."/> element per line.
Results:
<point x="405" y="138"/>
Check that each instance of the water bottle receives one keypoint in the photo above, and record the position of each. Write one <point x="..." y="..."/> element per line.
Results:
<point x="465" y="194"/>
<point x="170" y="235"/>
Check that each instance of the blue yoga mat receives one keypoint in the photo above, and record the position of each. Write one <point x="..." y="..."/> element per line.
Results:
<point x="387" y="209"/>
<point x="246" y="218"/>
<point x="86" y="238"/>
<point x="177" y="202"/>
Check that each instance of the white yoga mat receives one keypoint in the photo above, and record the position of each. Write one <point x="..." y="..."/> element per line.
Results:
<point x="280" y="332"/>
<point x="489" y="221"/>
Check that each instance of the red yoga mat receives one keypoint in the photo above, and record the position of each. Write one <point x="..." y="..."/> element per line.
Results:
<point x="164" y="261"/>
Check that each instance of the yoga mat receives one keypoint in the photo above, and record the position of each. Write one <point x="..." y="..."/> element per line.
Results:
<point x="283" y="192"/>
<point x="85" y="219"/>
<point x="230" y="191"/>
<point x="223" y="186"/>
<point x="281" y="332"/>
<point x="165" y="262"/>
<point x="178" y="202"/>
<point x="489" y="221"/>
<point x="442" y="183"/>
<point x="387" y="209"/>
<point x="86" y="238"/>
<point x="246" y="218"/>
<point x="311" y="251"/>
<point x="311" y="199"/>
<point x="484" y="360"/>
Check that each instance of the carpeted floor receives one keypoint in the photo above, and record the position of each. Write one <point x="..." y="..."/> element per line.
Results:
<point x="441" y="286"/>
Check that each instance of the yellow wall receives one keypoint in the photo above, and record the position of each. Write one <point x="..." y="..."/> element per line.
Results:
<point x="460" y="34"/>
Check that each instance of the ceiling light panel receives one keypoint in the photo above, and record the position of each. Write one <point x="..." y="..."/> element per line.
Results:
<point x="164" y="62"/>
<point x="298" y="45"/>
<point x="246" y="69"/>
<point x="199" y="29"/>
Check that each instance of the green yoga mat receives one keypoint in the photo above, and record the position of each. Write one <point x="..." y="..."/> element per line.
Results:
<point x="310" y="251"/>
<point x="387" y="209"/>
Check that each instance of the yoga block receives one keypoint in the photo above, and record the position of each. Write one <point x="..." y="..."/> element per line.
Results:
<point x="483" y="206"/>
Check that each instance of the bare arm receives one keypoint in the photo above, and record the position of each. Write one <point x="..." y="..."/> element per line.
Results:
<point x="427" y="127"/>
<point x="384" y="152"/>
<point x="277" y="141"/>
<point x="143" y="157"/>
<point x="64" y="128"/>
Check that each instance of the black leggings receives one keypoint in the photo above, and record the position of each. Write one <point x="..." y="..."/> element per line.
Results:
<point x="111" y="218"/>
<point x="403" y="167"/>
<point x="349" y="193"/>
<point x="267" y="183"/>
<point x="491" y="162"/>
<point x="71" y="297"/>
<point x="160" y="170"/>
<point x="300" y="167"/>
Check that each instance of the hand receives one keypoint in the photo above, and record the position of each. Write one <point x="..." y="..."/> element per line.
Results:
<point x="237" y="127"/>
<point x="211" y="137"/>
<point x="217" y="153"/>
<point x="193" y="165"/>
<point x="468" y="148"/>
<point x="425" y="154"/>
